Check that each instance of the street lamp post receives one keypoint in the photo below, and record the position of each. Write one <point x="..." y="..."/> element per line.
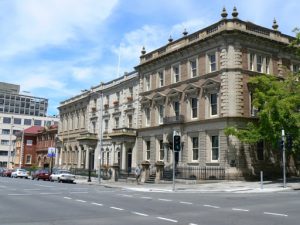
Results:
<point x="90" y="165"/>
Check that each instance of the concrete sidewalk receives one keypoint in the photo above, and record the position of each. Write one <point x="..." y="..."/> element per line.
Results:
<point x="205" y="186"/>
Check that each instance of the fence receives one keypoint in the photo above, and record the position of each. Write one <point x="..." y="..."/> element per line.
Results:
<point x="195" y="173"/>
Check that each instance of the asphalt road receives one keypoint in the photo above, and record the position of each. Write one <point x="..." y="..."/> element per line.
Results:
<point x="28" y="202"/>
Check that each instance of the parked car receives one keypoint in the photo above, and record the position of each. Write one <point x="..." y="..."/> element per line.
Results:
<point x="20" y="173"/>
<point x="41" y="174"/>
<point x="7" y="173"/>
<point x="62" y="176"/>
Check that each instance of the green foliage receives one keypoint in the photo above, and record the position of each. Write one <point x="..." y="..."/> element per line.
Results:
<point x="278" y="102"/>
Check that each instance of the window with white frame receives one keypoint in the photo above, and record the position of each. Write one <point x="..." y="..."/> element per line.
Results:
<point x="4" y="142"/>
<point x="176" y="106"/>
<point x="147" y="116"/>
<point x="107" y="158"/>
<point x="212" y="61"/>
<point x="295" y="68"/>
<point x="5" y="131"/>
<point x="161" y="79"/>
<point x="147" y="82"/>
<point x="118" y="96"/>
<point x="214" y="148"/>
<point x="161" y="112"/>
<point x="29" y="142"/>
<point x="28" y="159"/>
<point x="129" y="121"/>
<point x="213" y="104"/>
<point x="260" y="63"/>
<point x="194" y="108"/>
<point x="117" y="122"/>
<point x="105" y="125"/>
<point x="147" y="150"/>
<point x="161" y="150"/>
<point x="176" y="75"/>
<point x="195" y="148"/>
<point x="193" y="67"/>
<point x="130" y="90"/>
<point x="253" y="109"/>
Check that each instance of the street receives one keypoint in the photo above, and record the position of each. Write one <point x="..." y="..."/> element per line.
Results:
<point x="31" y="202"/>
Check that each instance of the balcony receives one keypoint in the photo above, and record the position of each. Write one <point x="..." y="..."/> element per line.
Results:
<point x="121" y="132"/>
<point x="174" y="119"/>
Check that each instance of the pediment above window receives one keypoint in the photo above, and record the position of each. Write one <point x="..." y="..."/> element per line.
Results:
<point x="146" y="101"/>
<point x="191" y="90"/>
<point x="159" y="98"/>
<point x="211" y="85"/>
<point x="174" y="94"/>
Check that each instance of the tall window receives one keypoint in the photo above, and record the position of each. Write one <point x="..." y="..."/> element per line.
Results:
<point x="147" y="116"/>
<point x="161" y="79"/>
<point x="212" y="62"/>
<point x="161" y="150"/>
<point x="107" y="158"/>
<point x="193" y="68"/>
<point x="194" y="107"/>
<point x="147" y="150"/>
<point x="105" y="125"/>
<point x="213" y="104"/>
<point x="215" y="148"/>
<point x="161" y="110"/>
<point x="118" y="96"/>
<point x="267" y="66"/>
<point x="28" y="159"/>
<point x="251" y="61"/>
<point x="259" y="63"/>
<point x="195" y="143"/>
<point x="130" y="91"/>
<point x="117" y="122"/>
<point x="295" y="68"/>
<point x="176" y="106"/>
<point x="130" y="121"/>
<point x="147" y="82"/>
<point x="176" y="75"/>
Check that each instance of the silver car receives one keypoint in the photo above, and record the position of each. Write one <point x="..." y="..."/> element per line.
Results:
<point x="62" y="176"/>
<point x="19" y="173"/>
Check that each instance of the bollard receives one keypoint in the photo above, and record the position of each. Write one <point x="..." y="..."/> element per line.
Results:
<point x="261" y="180"/>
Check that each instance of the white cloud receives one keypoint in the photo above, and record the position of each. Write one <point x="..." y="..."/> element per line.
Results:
<point x="35" y="24"/>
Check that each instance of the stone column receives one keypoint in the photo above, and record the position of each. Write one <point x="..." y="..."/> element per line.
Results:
<point x="87" y="157"/>
<point x="79" y="157"/>
<point x="145" y="173"/>
<point x="123" y="158"/>
<point x="159" y="171"/>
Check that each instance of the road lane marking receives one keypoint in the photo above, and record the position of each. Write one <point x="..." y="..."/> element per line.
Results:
<point x="44" y="185"/>
<point x="18" y="194"/>
<point x="112" y="207"/>
<point x="32" y="189"/>
<point x="275" y="214"/>
<point x="78" y="192"/>
<point x="67" y="198"/>
<point x="187" y="203"/>
<point x="167" y="219"/>
<point x="94" y="203"/>
<point x="130" y="196"/>
<point x="193" y="224"/>
<point x="243" y="210"/>
<point x="144" y="197"/>
<point x="78" y="200"/>
<point x="164" y="200"/>
<point x="49" y="193"/>
<point x="140" y="214"/>
<point x="212" y="206"/>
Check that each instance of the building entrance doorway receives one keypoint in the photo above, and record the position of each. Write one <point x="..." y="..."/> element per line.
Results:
<point x="129" y="160"/>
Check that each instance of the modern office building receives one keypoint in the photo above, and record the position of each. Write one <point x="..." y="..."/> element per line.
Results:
<point x="18" y="112"/>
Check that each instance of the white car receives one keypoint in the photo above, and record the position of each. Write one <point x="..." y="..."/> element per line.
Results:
<point x="20" y="173"/>
<point x="62" y="176"/>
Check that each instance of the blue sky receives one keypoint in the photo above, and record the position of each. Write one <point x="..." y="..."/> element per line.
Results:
<point x="56" y="48"/>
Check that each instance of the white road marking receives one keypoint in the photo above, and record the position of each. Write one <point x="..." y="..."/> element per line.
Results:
<point x="49" y="193"/>
<point x="130" y="196"/>
<point x="19" y="194"/>
<point x="67" y="198"/>
<point x="243" y="210"/>
<point x="193" y="224"/>
<point x="78" y="200"/>
<point x="144" y="197"/>
<point x="212" y="206"/>
<point x="140" y="214"/>
<point x="78" y="192"/>
<point x="112" y="207"/>
<point x="167" y="219"/>
<point x="44" y="185"/>
<point x="165" y="200"/>
<point x="32" y="189"/>
<point x="94" y="203"/>
<point x="275" y="214"/>
<point x="187" y="203"/>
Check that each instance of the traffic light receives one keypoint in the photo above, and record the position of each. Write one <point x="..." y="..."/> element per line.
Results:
<point x="281" y="144"/>
<point x="289" y="142"/>
<point x="177" y="143"/>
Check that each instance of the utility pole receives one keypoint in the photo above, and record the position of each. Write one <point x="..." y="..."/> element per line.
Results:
<point x="283" y="157"/>
<point x="10" y="144"/>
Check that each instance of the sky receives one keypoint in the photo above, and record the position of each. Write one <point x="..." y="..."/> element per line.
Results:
<point x="55" y="48"/>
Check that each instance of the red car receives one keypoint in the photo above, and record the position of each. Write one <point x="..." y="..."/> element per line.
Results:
<point x="41" y="174"/>
<point x="7" y="173"/>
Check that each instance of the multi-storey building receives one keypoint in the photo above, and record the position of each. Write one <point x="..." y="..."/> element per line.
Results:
<point x="197" y="86"/>
<point x="112" y="107"/>
<point x="18" y="112"/>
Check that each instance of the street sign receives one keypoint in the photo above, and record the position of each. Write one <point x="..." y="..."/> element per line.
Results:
<point x="51" y="152"/>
